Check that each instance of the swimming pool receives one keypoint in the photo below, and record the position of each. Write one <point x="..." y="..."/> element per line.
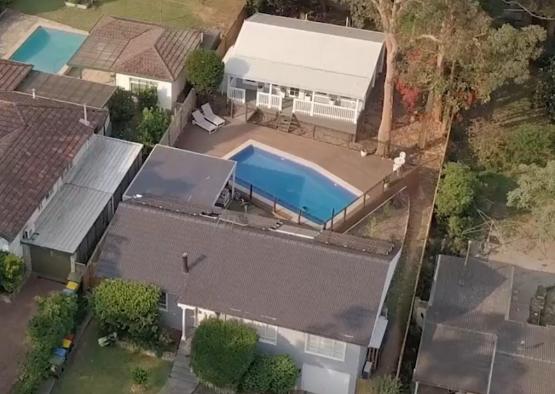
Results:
<point x="295" y="186"/>
<point x="48" y="49"/>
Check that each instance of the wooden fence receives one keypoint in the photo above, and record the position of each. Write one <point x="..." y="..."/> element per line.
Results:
<point x="180" y="117"/>
<point x="228" y="38"/>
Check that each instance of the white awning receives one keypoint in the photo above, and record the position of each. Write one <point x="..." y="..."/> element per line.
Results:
<point x="379" y="333"/>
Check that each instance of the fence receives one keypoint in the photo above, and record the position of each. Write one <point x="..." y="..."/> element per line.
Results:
<point x="268" y="100"/>
<point x="229" y="37"/>
<point x="361" y="202"/>
<point x="181" y="116"/>
<point x="326" y="110"/>
<point x="236" y="94"/>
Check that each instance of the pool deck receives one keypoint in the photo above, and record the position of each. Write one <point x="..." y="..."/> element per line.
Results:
<point x="361" y="172"/>
<point x="15" y="27"/>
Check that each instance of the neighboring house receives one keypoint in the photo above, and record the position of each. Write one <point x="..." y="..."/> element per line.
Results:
<point x="317" y="296"/>
<point x="60" y="181"/>
<point x="476" y="337"/>
<point x="21" y="77"/>
<point x="311" y="69"/>
<point x="139" y="55"/>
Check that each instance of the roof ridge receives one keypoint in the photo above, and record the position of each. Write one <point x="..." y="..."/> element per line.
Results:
<point x="376" y="257"/>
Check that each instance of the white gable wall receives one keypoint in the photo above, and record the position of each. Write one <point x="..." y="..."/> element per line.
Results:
<point x="166" y="95"/>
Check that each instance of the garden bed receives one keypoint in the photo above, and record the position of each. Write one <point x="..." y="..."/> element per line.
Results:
<point x="96" y="370"/>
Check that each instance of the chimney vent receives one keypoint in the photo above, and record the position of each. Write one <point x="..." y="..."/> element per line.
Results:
<point x="34" y="93"/>
<point x="185" y="259"/>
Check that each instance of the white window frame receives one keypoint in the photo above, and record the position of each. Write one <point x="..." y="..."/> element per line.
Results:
<point x="259" y="326"/>
<point x="293" y="92"/>
<point x="325" y="355"/>
<point x="160" y="307"/>
<point x="142" y="84"/>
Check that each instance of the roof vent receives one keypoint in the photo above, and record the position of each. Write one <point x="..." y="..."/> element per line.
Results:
<point x="185" y="258"/>
<point x="34" y="93"/>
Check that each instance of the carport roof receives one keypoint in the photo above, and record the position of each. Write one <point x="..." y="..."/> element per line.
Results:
<point x="173" y="175"/>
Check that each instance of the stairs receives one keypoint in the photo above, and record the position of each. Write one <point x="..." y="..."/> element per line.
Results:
<point x="287" y="122"/>
<point x="182" y="380"/>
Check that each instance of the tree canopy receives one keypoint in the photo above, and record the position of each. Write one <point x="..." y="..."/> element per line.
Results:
<point x="205" y="70"/>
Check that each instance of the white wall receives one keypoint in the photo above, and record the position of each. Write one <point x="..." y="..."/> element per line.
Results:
<point x="167" y="91"/>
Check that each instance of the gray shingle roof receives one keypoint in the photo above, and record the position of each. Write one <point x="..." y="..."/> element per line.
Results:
<point x="474" y="316"/>
<point x="39" y="139"/>
<point x="284" y="280"/>
<point x="136" y="48"/>
<point x="181" y="176"/>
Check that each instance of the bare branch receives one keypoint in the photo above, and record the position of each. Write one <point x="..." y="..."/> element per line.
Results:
<point x="429" y="37"/>
<point x="528" y="11"/>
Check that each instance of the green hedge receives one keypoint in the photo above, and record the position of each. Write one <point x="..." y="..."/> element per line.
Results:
<point x="55" y="318"/>
<point x="128" y="308"/>
<point x="205" y="70"/>
<point x="222" y="352"/>
<point x="275" y="374"/>
<point x="12" y="272"/>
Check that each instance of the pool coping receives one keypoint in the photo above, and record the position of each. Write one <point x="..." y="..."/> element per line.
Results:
<point x="307" y="163"/>
<point x="47" y="24"/>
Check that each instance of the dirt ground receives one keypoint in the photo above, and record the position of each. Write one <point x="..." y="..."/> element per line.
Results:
<point x="13" y="323"/>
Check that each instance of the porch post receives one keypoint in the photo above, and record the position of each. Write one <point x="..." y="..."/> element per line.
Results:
<point x="355" y="116"/>
<point x="312" y="104"/>
<point x="183" y="321"/>
<point x="270" y="97"/>
<point x="233" y="182"/>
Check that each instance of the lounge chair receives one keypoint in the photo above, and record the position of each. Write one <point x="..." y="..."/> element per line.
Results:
<point x="211" y="116"/>
<point x="202" y="122"/>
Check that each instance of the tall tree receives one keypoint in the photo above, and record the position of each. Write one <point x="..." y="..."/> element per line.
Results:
<point x="386" y="14"/>
<point x="460" y="57"/>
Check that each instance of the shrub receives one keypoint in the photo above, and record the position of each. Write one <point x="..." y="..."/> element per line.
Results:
<point x="385" y="385"/>
<point x="457" y="190"/>
<point x="259" y="375"/>
<point x="205" y="70"/>
<point x="154" y="124"/>
<point x="121" y="106"/>
<point x="147" y="98"/>
<point x="54" y="319"/>
<point x="128" y="308"/>
<point x="284" y="374"/>
<point x="530" y="144"/>
<point x="139" y="375"/>
<point x="12" y="272"/>
<point x="222" y="351"/>
<point x="545" y="89"/>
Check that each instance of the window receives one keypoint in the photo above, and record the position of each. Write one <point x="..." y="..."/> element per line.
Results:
<point x="294" y="92"/>
<point x="137" y="85"/>
<point x="163" y="301"/>
<point x="325" y="347"/>
<point x="267" y="333"/>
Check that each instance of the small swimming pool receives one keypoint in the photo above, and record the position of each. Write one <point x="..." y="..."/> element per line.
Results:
<point x="295" y="186"/>
<point x="48" y="49"/>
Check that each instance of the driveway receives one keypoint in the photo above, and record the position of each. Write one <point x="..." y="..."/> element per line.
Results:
<point x="14" y="318"/>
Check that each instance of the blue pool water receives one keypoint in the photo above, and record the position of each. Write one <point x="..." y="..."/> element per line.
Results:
<point x="294" y="185"/>
<point x="48" y="49"/>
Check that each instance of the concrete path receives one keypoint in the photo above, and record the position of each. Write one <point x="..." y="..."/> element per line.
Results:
<point x="182" y="380"/>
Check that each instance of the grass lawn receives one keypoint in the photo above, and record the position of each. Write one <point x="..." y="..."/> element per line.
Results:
<point x="211" y="14"/>
<point x="96" y="370"/>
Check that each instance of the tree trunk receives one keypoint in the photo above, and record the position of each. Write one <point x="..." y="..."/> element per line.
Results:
<point x="384" y="133"/>
<point x="437" y="98"/>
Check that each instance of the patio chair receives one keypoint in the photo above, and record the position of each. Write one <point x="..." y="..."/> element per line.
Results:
<point x="211" y="116"/>
<point x="202" y="122"/>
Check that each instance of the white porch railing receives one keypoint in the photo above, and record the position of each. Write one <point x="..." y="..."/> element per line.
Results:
<point x="325" y="110"/>
<point x="236" y="94"/>
<point x="268" y="100"/>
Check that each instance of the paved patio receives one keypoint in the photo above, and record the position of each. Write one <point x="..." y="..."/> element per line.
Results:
<point x="14" y="318"/>
<point x="361" y="172"/>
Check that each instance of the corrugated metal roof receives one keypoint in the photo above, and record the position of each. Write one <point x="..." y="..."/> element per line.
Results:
<point x="90" y="184"/>
<point x="68" y="217"/>
<point x="105" y="164"/>
<point x="307" y="55"/>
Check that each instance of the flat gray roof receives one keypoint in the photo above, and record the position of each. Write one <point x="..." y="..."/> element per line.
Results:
<point x="179" y="176"/>
<point x="89" y="187"/>
<point x="104" y="164"/>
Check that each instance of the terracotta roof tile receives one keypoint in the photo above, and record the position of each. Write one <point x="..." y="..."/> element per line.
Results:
<point x="12" y="73"/>
<point x="39" y="138"/>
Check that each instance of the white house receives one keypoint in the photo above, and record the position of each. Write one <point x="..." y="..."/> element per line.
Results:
<point x="317" y="296"/>
<point x="307" y="68"/>
<point x="139" y="55"/>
